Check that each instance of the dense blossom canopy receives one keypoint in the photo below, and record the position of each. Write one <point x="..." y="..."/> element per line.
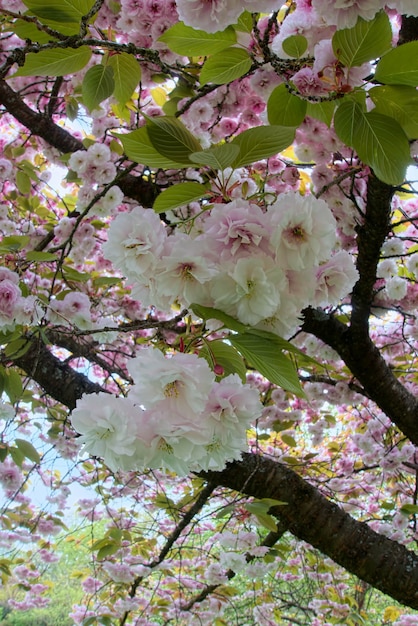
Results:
<point x="208" y="294"/>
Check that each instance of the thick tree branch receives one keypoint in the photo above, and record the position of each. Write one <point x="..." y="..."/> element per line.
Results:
<point x="43" y="126"/>
<point x="308" y="515"/>
<point x="370" y="237"/>
<point x="58" y="379"/>
<point x="369" y="367"/>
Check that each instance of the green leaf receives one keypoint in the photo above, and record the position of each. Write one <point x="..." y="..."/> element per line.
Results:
<point x="13" y="243"/>
<point x="55" y="62"/>
<point x="244" y="23"/>
<point x="399" y="102"/>
<point x="13" y="385"/>
<point x="171" y="138"/>
<point x="225" y="66"/>
<point x="17" y="348"/>
<point x="27" y="449"/>
<point x="178" y="195"/>
<point x="399" y="66"/>
<point x="288" y="440"/>
<point x="207" y="313"/>
<point x="138" y="147"/>
<point x="218" y="158"/>
<point x="191" y="42"/>
<point x="282" y="344"/>
<point x="363" y="42"/>
<point x="64" y="11"/>
<point x="4" y="451"/>
<point x="263" y="355"/>
<point x="225" y="510"/>
<point x="70" y="273"/>
<point x="126" y="74"/>
<point x="107" y="550"/>
<point x="23" y="182"/>
<point x="34" y="255"/>
<point x="322" y="111"/>
<point x="378" y="140"/>
<point x="218" y="352"/>
<point x="17" y="456"/>
<point x="261" y="142"/>
<point x="27" y="30"/>
<point x="285" y="109"/>
<point x="98" y="85"/>
<point x="410" y="509"/>
<point x="295" y="46"/>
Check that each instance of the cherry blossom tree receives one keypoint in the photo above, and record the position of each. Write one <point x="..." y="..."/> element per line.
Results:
<point x="208" y="290"/>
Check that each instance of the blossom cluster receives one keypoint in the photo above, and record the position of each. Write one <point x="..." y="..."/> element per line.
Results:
<point x="177" y="416"/>
<point x="261" y="267"/>
<point x="14" y="307"/>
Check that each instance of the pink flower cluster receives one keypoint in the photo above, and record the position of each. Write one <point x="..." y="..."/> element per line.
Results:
<point x="176" y="417"/>
<point x="260" y="266"/>
<point x="14" y="308"/>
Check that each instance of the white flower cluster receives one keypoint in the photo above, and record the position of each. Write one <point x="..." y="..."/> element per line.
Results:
<point x="95" y="167"/>
<point x="261" y="267"/>
<point x="177" y="416"/>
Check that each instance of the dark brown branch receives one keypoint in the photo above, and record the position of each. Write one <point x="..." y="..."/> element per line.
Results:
<point x="308" y="515"/>
<point x="370" y="237"/>
<point x="43" y="126"/>
<point x="366" y="363"/>
<point x="271" y="539"/>
<point x="56" y="378"/>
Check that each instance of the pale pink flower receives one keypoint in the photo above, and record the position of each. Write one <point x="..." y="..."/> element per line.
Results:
<point x="10" y="296"/>
<point x="335" y="279"/>
<point x="236" y="229"/>
<point x="345" y="13"/>
<point x="249" y="289"/>
<point x="182" y="381"/>
<point x="305" y="230"/>
<point x="10" y="476"/>
<point x="209" y="15"/>
<point x="135" y="243"/>
<point x="112" y="429"/>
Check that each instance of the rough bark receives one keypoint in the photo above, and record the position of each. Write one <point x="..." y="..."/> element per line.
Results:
<point x="384" y="564"/>
<point x="135" y="187"/>
<point x="366" y="363"/>
<point x="58" y="379"/>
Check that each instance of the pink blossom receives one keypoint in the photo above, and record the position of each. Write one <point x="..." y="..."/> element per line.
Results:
<point x="10" y="296"/>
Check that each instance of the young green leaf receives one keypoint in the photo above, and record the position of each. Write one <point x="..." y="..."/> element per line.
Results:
<point x="64" y="11"/>
<point x="207" y="313"/>
<point x="218" y="158"/>
<point x="363" y="42"/>
<point x="295" y="46"/>
<point x="218" y="352"/>
<point x="178" y="195"/>
<point x="399" y="102"/>
<point x="225" y="66"/>
<point x="285" y="109"/>
<point x="27" y="449"/>
<point x="55" y="62"/>
<point x="191" y="42"/>
<point x="98" y="85"/>
<point x="171" y="138"/>
<point x="264" y="356"/>
<point x="378" y="140"/>
<point x="126" y="74"/>
<point x="138" y="147"/>
<point x="322" y="111"/>
<point x="261" y="142"/>
<point x="399" y="66"/>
